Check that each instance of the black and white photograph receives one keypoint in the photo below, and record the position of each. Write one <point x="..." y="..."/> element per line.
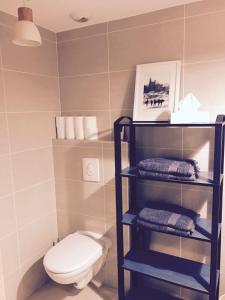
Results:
<point x="156" y="91"/>
<point x="156" y="94"/>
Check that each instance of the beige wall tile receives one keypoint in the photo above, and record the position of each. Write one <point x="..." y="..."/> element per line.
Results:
<point x="7" y="19"/>
<point x="151" y="191"/>
<point x="70" y="222"/>
<point x="146" y="152"/>
<point x="159" y="137"/>
<point x="2" y="101"/>
<point x="41" y="60"/>
<point x="199" y="200"/>
<point x="129" y="48"/>
<point x="203" y="156"/>
<point x="5" y="176"/>
<point x="82" y="32"/>
<point x="31" y="130"/>
<point x="47" y="34"/>
<point x="204" y="37"/>
<point x="198" y="137"/>
<point x="109" y="165"/>
<point x="25" y="92"/>
<point x="110" y="201"/>
<point x="115" y="114"/>
<point x="4" y="142"/>
<point x="85" y="92"/>
<point x="32" y="167"/>
<point x="37" y="237"/>
<point x="103" y="121"/>
<point x="87" y="59"/>
<point x="165" y="243"/>
<point x="7" y="219"/>
<point x="122" y="90"/>
<point x="205" y="81"/>
<point x="10" y="255"/>
<point x="188" y="294"/>
<point x="34" y="203"/>
<point x="85" y="198"/>
<point x="195" y="250"/>
<point x="68" y="161"/>
<point x="204" y="7"/>
<point x="66" y="223"/>
<point x="149" y="18"/>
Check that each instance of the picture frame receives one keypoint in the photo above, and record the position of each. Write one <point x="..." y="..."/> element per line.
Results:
<point x="157" y="90"/>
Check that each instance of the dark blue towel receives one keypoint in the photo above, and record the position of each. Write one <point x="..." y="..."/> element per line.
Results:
<point x="165" y="167"/>
<point x="167" y="217"/>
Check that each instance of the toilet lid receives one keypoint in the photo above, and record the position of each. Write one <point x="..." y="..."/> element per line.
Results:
<point x="74" y="252"/>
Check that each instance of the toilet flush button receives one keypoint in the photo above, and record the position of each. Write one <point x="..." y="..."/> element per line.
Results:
<point x="91" y="170"/>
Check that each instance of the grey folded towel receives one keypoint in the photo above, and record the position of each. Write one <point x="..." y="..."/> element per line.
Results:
<point x="168" y="215"/>
<point x="166" y="176"/>
<point x="161" y="228"/>
<point x="169" y="166"/>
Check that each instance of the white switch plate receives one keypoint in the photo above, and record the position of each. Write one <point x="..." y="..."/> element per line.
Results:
<point x="91" y="169"/>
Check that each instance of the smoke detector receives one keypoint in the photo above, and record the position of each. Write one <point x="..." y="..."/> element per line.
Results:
<point x="81" y="17"/>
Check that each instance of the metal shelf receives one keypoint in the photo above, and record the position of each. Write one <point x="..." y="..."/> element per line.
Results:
<point x="175" y="270"/>
<point x="205" y="178"/>
<point x="170" y="269"/>
<point x="203" y="228"/>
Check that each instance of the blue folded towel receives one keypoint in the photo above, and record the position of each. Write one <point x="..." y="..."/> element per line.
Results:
<point x="169" y="168"/>
<point x="167" y="218"/>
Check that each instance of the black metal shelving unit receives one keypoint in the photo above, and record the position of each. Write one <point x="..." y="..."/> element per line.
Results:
<point x="196" y="276"/>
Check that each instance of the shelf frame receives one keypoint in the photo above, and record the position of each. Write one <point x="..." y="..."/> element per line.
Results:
<point x="215" y="181"/>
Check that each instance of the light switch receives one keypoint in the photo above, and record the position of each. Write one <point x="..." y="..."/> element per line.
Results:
<point x="91" y="170"/>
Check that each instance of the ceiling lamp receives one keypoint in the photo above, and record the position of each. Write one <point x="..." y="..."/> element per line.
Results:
<point x="26" y="32"/>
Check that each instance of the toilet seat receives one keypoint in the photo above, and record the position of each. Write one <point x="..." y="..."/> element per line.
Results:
<point x="73" y="254"/>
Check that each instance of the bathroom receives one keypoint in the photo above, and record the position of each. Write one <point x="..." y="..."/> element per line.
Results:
<point x="83" y="63"/>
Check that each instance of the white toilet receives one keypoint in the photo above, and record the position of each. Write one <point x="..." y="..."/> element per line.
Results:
<point x="77" y="258"/>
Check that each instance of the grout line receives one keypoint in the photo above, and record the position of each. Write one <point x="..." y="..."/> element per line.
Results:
<point x="31" y="112"/>
<point x="81" y="38"/>
<point x="83" y="75"/>
<point x="147" y="25"/>
<point x="109" y="83"/>
<point x="36" y="220"/>
<point x="58" y="79"/>
<point x="12" y="180"/>
<point x="28" y="73"/>
<point x="33" y="186"/>
<point x="30" y="150"/>
<point x="184" y="45"/>
<point x="205" y="13"/>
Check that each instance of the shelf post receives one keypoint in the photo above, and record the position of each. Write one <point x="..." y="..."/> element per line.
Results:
<point x="216" y="206"/>
<point x="119" y="210"/>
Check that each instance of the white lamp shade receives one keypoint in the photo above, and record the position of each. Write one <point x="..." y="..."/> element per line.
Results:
<point x="26" y="34"/>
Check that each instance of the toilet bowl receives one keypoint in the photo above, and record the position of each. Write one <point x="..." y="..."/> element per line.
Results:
<point x="77" y="258"/>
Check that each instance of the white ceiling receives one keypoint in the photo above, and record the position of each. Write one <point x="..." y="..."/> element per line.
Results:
<point x="54" y="14"/>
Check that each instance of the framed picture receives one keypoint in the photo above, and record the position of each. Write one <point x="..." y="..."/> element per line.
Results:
<point x="157" y="91"/>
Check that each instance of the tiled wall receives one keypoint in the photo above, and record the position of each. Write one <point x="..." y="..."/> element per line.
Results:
<point x="97" y="75"/>
<point x="29" y="101"/>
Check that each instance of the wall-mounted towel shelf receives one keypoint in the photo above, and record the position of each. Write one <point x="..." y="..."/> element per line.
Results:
<point x="178" y="271"/>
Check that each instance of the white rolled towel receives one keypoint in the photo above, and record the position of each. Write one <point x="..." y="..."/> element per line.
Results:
<point x="90" y="122"/>
<point x="70" y="132"/>
<point x="60" y="127"/>
<point x="79" y="127"/>
<point x="91" y="133"/>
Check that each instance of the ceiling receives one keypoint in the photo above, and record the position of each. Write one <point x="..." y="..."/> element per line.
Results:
<point x="54" y="14"/>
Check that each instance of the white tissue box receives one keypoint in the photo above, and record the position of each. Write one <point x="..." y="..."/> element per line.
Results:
<point x="194" y="117"/>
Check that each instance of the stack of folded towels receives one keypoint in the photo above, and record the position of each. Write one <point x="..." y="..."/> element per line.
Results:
<point x="167" y="218"/>
<point x="166" y="168"/>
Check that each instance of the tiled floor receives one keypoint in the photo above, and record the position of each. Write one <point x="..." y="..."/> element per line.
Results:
<point x="52" y="291"/>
